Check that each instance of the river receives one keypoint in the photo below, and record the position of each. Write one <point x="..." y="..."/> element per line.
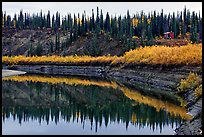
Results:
<point x="62" y="105"/>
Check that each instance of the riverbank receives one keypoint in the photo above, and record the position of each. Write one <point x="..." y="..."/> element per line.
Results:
<point x="6" y="73"/>
<point x="193" y="126"/>
<point x="154" y="77"/>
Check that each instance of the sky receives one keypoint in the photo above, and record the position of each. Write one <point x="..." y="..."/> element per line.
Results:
<point x="114" y="8"/>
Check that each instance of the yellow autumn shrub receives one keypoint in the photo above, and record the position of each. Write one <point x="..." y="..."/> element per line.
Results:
<point x="190" y="54"/>
<point x="198" y="91"/>
<point x="191" y="82"/>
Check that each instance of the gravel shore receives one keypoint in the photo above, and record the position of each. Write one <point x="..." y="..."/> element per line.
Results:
<point x="6" y="73"/>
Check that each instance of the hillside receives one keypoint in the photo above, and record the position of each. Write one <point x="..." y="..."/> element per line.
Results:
<point x="19" y="42"/>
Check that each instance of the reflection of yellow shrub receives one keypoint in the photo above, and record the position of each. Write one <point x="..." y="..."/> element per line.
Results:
<point x="191" y="82"/>
<point x="158" y="104"/>
<point x="60" y="80"/>
<point x="132" y="94"/>
<point x="198" y="91"/>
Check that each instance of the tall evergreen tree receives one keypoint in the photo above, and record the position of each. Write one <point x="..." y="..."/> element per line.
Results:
<point x="5" y="19"/>
<point x="83" y="25"/>
<point x="101" y="21"/>
<point x="185" y="20"/>
<point x="128" y="23"/>
<point x="194" y="35"/>
<point x="182" y="24"/>
<point x="200" y="29"/>
<point x="107" y="23"/>
<point x="21" y="20"/>
<point x="8" y="21"/>
<point x="15" y="21"/>
<point x="75" y="28"/>
<point x="53" y="22"/>
<point x="174" y="25"/>
<point x="97" y="22"/>
<point x="48" y="19"/>
<point x="93" y="20"/>
<point x="162" y="23"/>
<point x="39" y="49"/>
<point x="78" y="26"/>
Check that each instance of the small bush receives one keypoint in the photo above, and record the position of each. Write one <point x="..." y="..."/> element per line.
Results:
<point x="198" y="91"/>
<point x="191" y="82"/>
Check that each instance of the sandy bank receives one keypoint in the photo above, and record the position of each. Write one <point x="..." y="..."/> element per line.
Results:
<point x="6" y="73"/>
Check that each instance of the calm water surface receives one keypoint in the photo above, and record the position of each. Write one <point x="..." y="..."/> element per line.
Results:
<point x="53" y="105"/>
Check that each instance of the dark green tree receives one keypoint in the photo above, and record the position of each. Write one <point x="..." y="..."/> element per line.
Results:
<point x="194" y="32"/>
<point x="78" y="26"/>
<point x="75" y="28"/>
<point x="128" y="23"/>
<point x="8" y="21"/>
<point x="93" y="21"/>
<point x="53" y="22"/>
<point x="174" y="25"/>
<point x="101" y="21"/>
<point x="97" y="26"/>
<point x="5" y="19"/>
<point x="39" y="49"/>
<point x="107" y="23"/>
<point x="48" y="20"/>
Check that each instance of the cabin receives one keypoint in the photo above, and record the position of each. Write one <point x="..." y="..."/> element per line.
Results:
<point x="169" y="35"/>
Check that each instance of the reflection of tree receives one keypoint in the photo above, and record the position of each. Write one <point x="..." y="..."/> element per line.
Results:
<point x="77" y="104"/>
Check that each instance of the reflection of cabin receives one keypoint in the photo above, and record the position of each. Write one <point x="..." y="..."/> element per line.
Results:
<point x="169" y="35"/>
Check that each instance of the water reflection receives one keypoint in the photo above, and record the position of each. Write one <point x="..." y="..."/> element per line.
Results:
<point x="29" y="98"/>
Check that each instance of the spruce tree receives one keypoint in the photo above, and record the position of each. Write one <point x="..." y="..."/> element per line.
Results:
<point x="101" y="21"/>
<point x="78" y="26"/>
<point x="53" y="22"/>
<point x="5" y="19"/>
<point x="97" y="22"/>
<point x="39" y="49"/>
<point x="93" y="21"/>
<point x="107" y="23"/>
<point x="48" y="19"/>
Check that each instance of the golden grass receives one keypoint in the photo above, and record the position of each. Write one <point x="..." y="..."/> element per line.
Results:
<point x="190" y="54"/>
<point x="132" y="94"/>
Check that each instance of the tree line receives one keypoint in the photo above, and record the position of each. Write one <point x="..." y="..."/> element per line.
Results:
<point x="145" y="27"/>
